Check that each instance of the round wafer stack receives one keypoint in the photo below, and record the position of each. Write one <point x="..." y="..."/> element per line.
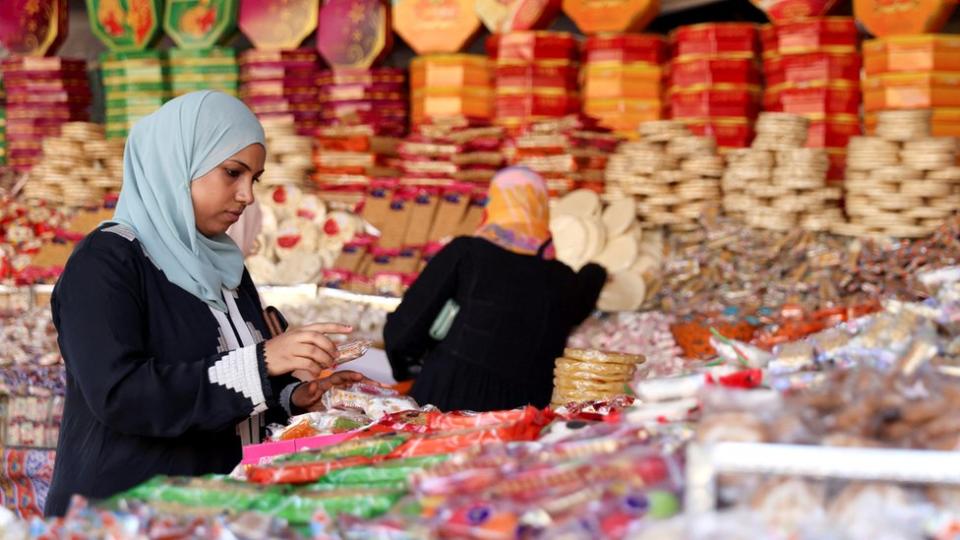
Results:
<point x="901" y="182"/>
<point x="289" y="155"/>
<point x="778" y="184"/>
<point x="78" y="169"/>
<point x="673" y="174"/>
<point x="589" y="375"/>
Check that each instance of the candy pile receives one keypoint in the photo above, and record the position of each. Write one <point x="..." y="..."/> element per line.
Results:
<point x="728" y="265"/>
<point x="646" y="334"/>
<point x="80" y="168"/>
<point x="673" y="174"/>
<point x="583" y="232"/>
<point x="777" y="184"/>
<point x="28" y="338"/>
<point x="567" y="152"/>
<point x="41" y="94"/>
<point x="282" y="83"/>
<point x="589" y="375"/>
<point x="901" y="182"/>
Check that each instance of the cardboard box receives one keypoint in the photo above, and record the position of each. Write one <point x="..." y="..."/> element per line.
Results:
<point x="625" y="48"/>
<point x="425" y="204"/>
<point x="740" y="101"/>
<point x="830" y="99"/>
<point x="351" y="33"/>
<point x="711" y="71"/>
<point x="537" y="104"/>
<point x="476" y="104"/>
<point x="33" y="27"/>
<point x="911" y="53"/>
<point x="503" y="16"/>
<point x="911" y="91"/>
<point x="562" y="74"/>
<point x="797" y="69"/>
<point x="885" y="18"/>
<point x="735" y="39"/>
<point x="474" y="215"/>
<point x="820" y="34"/>
<point x="593" y="17"/>
<point x="631" y="82"/>
<point x="531" y="46"/>
<point x="832" y="131"/>
<point x="200" y="24"/>
<point x="451" y="209"/>
<point x="451" y="71"/>
<point x="441" y="26"/>
<point x="729" y="132"/>
<point x="789" y="10"/>
<point x="394" y="230"/>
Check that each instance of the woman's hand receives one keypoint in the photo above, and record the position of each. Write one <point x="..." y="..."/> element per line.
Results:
<point x="303" y="349"/>
<point x="308" y="395"/>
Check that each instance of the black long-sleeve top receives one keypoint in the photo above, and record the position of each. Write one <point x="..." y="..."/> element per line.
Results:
<point x="516" y="313"/>
<point x="157" y="381"/>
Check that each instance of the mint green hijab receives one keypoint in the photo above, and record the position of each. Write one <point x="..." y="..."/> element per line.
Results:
<point x="182" y="141"/>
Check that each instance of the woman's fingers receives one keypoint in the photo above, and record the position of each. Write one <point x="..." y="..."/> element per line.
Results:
<point x="319" y="341"/>
<point x="307" y="364"/>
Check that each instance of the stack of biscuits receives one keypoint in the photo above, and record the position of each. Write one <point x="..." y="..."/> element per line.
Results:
<point x="777" y="184"/>
<point x="902" y="182"/>
<point x="78" y="169"/>
<point x="290" y="155"/>
<point x="590" y="375"/>
<point x="673" y="174"/>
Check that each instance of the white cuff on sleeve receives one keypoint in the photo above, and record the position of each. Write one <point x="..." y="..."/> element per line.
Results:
<point x="239" y="371"/>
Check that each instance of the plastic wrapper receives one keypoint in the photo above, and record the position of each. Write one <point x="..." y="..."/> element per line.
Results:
<point x="374" y="401"/>
<point x="300" y="507"/>
<point x="394" y="472"/>
<point x="447" y="442"/>
<point x="439" y="421"/>
<point x="210" y="492"/>
<point x="301" y="472"/>
<point x="352" y="350"/>
<point x="321" y="423"/>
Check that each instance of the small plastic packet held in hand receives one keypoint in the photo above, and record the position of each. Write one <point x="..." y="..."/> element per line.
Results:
<point x="352" y="350"/>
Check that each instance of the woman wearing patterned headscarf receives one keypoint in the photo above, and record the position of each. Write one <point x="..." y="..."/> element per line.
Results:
<point x="490" y="313"/>
<point x="170" y="362"/>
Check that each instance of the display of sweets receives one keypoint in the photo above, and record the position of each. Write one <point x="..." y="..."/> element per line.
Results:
<point x="779" y="184"/>
<point x="216" y="68"/>
<point x="451" y="89"/>
<point x="374" y="98"/>
<point x="901" y="182"/>
<point x="41" y="95"/>
<point x="282" y="83"/>
<point x="135" y="85"/>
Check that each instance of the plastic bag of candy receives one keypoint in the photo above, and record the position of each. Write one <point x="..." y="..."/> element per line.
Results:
<point x="321" y="423"/>
<point x="374" y="401"/>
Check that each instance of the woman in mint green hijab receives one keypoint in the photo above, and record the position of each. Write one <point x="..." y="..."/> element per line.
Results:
<point x="171" y="365"/>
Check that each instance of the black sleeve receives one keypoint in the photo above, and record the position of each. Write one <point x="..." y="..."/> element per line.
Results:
<point x="589" y="282"/>
<point x="99" y="313"/>
<point x="406" y="335"/>
<point x="281" y="409"/>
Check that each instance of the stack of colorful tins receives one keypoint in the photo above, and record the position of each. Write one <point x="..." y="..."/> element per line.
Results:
<point x="812" y="68"/>
<point x="569" y="153"/>
<point x="3" y="125"/>
<point x="715" y="81"/>
<point x="375" y="98"/>
<point x="623" y="80"/>
<point x="436" y="155"/>
<point x="42" y="94"/>
<point x="282" y="83"/>
<point x="135" y="85"/>
<point x="451" y="88"/>
<point x="914" y="72"/>
<point x="203" y="69"/>
<point x="536" y="77"/>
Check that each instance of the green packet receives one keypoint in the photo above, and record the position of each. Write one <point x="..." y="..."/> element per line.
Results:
<point x="203" y="492"/>
<point x="395" y="471"/>
<point x="369" y="447"/>
<point x="300" y="507"/>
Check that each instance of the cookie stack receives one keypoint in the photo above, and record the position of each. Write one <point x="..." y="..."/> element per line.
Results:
<point x="777" y="184"/>
<point x="78" y="169"/>
<point x="673" y="175"/>
<point x="436" y="155"/>
<point x="902" y="182"/>
<point x="289" y="160"/>
<point x="588" y="375"/>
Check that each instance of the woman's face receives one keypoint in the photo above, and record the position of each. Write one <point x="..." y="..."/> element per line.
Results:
<point x="221" y="195"/>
